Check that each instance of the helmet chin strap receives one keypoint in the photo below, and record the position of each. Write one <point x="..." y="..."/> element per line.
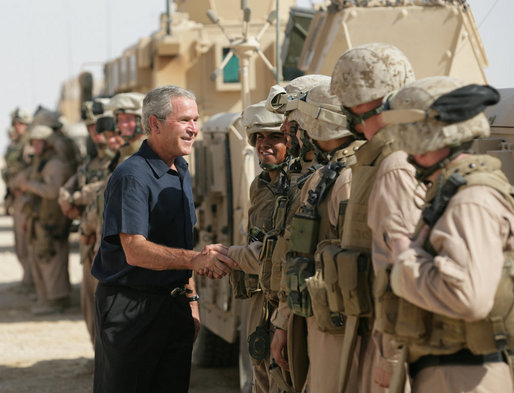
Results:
<point x="354" y="119"/>
<point x="274" y="167"/>
<point x="423" y="173"/>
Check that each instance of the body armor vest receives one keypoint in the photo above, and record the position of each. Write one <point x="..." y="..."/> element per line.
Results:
<point x="427" y="333"/>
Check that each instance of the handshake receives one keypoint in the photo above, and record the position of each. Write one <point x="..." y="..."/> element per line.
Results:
<point x="213" y="261"/>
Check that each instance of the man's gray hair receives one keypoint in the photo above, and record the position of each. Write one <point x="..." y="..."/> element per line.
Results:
<point x="158" y="103"/>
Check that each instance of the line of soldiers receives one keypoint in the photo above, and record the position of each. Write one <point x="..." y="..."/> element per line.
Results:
<point x="49" y="186"/>
<point x="380" y="248"/>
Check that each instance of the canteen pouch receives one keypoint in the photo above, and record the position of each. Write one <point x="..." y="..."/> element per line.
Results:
<point x="386" y="302"/>
<point x="412" y="322"/>
<point x="304" y="233"/>
<point x="330" y="322"/>
<point x="354" y="277"/>
<point x="297" y="270"/>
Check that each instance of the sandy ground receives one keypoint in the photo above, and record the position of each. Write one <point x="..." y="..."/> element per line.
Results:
<point x="53" y="354"/>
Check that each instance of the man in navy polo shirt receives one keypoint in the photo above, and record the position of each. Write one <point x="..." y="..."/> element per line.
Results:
<point x="146" y="316"/>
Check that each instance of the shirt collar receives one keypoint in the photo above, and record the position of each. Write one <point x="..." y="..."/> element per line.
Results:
<point x="158" y="166"/>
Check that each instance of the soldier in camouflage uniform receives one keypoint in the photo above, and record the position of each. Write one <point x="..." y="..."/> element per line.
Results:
<point x="316" y="341"/>
<point x="454" y="281"/>
<point x="361" y="79"/>
<point x="47" y="227"/>
<point x="17" y="158"/>
<point x="263" y="132"/>
<point x="77" y="194"/>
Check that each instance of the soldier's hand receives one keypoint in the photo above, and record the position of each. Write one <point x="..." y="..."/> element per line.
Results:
<point x="382" y="377"/>
<point x="279" y="347"/>
<point x="213" y="262"/>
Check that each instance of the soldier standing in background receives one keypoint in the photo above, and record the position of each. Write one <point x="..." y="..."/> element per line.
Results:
<point x="17" y="158"/>
<point x="77" y="194"/>
<point x="454" y="280"/>
<point x="263" y="132"/>
<point x="47" y="227"/>
<point x="362" y="77"/>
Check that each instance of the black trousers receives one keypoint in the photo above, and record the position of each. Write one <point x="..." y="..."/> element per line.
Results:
<point x="143" y="341"/>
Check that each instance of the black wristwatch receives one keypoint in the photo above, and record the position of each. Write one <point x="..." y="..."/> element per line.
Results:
<point x="193" y="298"/>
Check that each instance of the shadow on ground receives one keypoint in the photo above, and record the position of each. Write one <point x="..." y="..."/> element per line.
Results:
<point x="15" y="306"/>
<point x="74" y="375"/>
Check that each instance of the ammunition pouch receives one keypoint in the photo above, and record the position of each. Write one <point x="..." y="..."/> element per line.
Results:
<point x="304" y="233"/>
<point x="426" y="333"/>
<point x="265" y="257"/>
<point x="355" y="274"/>
<point x="330" y="322"/>
<point x="297" y="270"/>
<point x="244" y="285"/>
<point x="281" y="247"/>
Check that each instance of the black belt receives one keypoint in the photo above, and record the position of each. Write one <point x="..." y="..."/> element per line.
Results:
<point x="463" y="357"/>
<point x="173" y="291"/>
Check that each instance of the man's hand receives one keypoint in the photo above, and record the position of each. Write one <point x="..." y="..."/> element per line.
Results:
<point x="213" y="261"/>
<point x="278" y="347"/>
<point x="403" y="243"/>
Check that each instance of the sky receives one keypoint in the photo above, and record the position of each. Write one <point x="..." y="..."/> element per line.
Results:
<point x="45" y="42"/>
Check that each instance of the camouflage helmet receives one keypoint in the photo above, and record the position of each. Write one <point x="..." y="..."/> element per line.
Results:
<point x="40" y="132"/>
<point x="278" y="95"/>
<point x="414" y="114"/>
<point x="319" y="113"/>
<point x="91" y="110"/>
<point x="257" y="118"/>
<point x="131" y="103"/>
<point x="369" y="72"/>
<point x="21" y="115"/>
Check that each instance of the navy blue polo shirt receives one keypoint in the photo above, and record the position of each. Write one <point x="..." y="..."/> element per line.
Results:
<point x="145" y="197"/>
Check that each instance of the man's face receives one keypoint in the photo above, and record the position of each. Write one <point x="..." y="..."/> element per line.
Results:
<point x="127" y="124"/>
<point x="180" y="129"/>
<point x="114" y="140"/>
<point x="98" y="139"/>
<point x="271" y="147"/>
<point x="371" y="125"/>
<point x="38" y="145"/>
<point x="20" y="128"/>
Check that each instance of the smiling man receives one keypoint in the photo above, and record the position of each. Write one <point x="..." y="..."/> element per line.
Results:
<point x="264" y="133"/>
<point x="146" y="315"/>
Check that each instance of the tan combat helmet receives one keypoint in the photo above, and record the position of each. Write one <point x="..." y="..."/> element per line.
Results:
<point x="131" y="103"/>
<point x="369" y="72"/>
<point x="319" y="113"/>
<point x="279" y="96"/>
<point x="437" y="112"/>
<point x="257" y="118"/>
<point x="21" y="115"/>
<point x="91" y="110"/>
<point x="40" y="132"/>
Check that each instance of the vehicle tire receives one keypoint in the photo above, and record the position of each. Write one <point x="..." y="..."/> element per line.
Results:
<point x="211" y="351"/>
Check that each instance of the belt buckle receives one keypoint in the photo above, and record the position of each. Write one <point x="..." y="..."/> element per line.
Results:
<point x="178" y="291"/>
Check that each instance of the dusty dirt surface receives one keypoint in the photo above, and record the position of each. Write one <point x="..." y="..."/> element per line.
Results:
<point x="53" y="354"/>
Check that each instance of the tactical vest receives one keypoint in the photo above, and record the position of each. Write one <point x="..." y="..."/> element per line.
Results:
<point x="427" y="333"/>
<point x="298" y="174"/>
<point x="46" y="212"/>
<point x="309" y="227"/>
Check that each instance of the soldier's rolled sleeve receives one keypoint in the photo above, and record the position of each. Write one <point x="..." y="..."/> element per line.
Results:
<point x="280" y="316"/>
<point x="247" y="257"/>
